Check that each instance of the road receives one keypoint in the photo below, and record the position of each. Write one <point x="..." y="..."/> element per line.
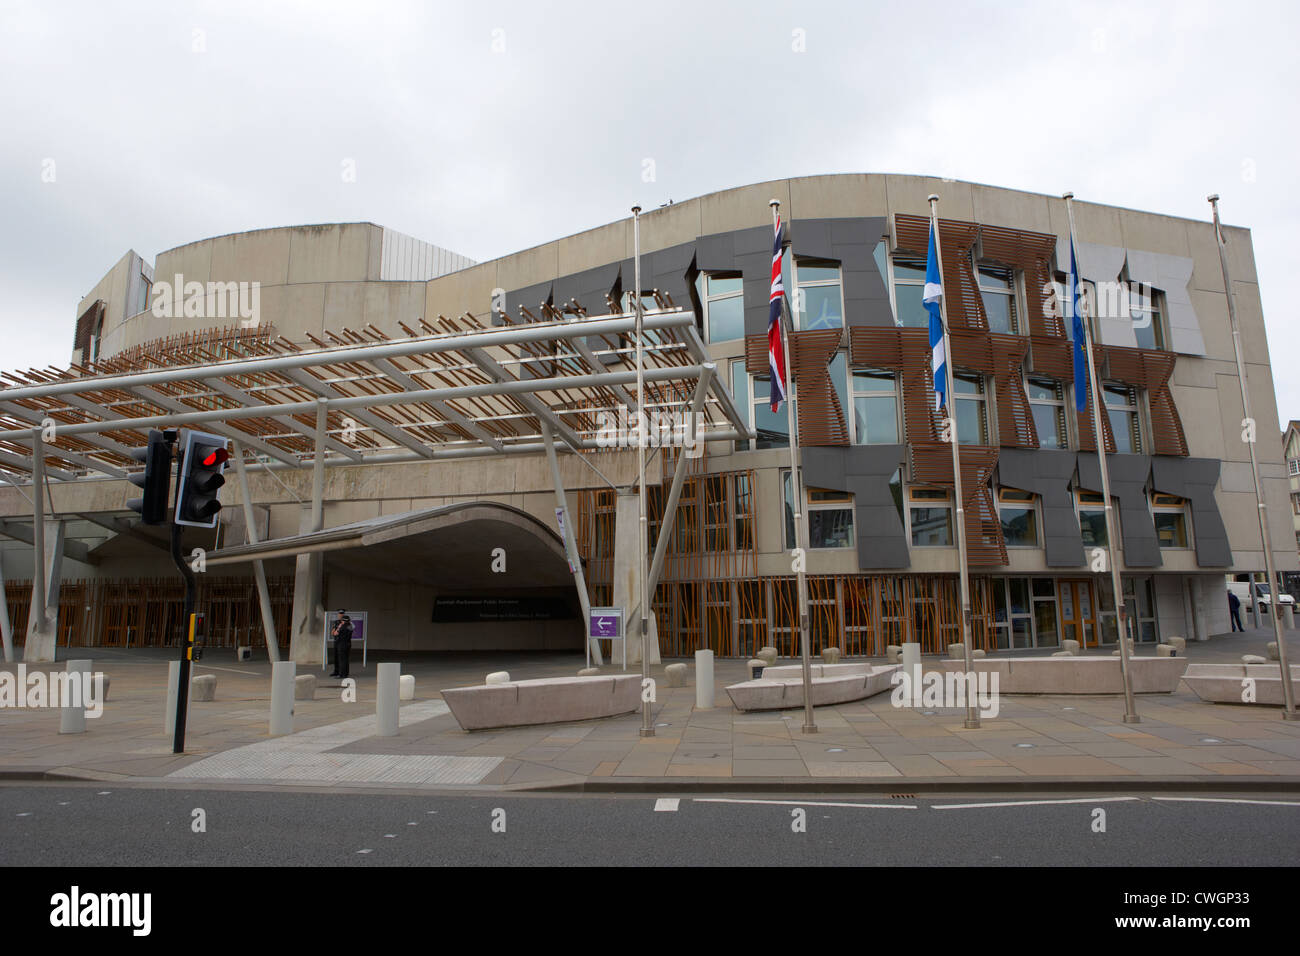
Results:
<point x="113" y="825"/>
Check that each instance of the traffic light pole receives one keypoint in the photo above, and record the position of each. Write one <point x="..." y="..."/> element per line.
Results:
<point x="183" y="691"/>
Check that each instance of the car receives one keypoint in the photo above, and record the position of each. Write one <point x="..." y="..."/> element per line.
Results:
<point x="1262" y="594"/>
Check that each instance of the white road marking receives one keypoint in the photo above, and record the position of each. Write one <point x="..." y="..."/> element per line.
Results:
<point x="1262" y="803"/>
<point x="1028" y="803"/>
<point x="667" y="804"/>
<point x="365" y="851"/>
<point x="808" y="803"/>
<point x="228" y="670"/>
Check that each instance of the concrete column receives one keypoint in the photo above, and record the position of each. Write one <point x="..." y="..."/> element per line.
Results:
<point x="6" y="623"/>
<point x="282" y="688"/>
<point x="627" y="537"/>
<point x="387" y="694"/>
<point x="72" y="713"/>
<point x="703" y="679"/>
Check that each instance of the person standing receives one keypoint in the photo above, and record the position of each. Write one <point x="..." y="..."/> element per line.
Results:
<point x="1234" y="608"/>
<point x="342" y="634"/>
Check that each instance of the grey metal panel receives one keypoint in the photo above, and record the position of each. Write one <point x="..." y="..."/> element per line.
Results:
<point x="1128" y="483"/>
<point x="1195" y="479"/>
<point x="1047" y="474"/>
<point x="864" y="472"/>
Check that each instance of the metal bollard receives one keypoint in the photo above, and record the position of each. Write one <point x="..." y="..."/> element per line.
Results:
<point x="72" y="713"/>
<point x="386" y="699"/>
<point x="704" y="679"/>
<point x="282" y="687"/>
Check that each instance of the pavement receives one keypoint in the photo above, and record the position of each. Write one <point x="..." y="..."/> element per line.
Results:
<point x="1034" y="743"/>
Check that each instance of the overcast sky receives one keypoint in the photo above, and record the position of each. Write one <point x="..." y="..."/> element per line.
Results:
<point x="489" y="127"/>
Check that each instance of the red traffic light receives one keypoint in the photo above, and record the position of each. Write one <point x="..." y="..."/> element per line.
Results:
<point x="216" y="457"/>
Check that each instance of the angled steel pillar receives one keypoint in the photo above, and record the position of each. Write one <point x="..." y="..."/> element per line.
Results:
<point x="571" y="551"/>
<point x="6" y="624"/>
<point x="41" y="636"/>
<point x="307" y="636"/>
<point x="259" y="570"/>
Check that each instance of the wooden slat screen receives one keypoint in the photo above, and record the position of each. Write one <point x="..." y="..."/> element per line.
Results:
<point x="932" y="465"/>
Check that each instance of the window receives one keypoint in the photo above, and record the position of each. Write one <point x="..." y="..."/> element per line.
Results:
<point x="145" y="286"/>
<point x="724" y="306"/>
<point x="744" y="403"/>
<point x="830" y="517"/>
<point x="1018" y="513"/>
<point x="744" y="512"/>
<point x="717" y="524"/>
<point x="875" y="407"/>
<point x="931" y="517"/>
<point x="1092" y="519"/>
<point x="817" y="299"/>
<point x="1295" y="502"/>
<point x="998" y="292"/>
<point x="1139" y="598"/>
<point x="1293" y="466"/>
<point x="908" y="285"/>
<point x="1145" y="311"/>
<point x="1121" y="406"/>
<point x="972" y="417"/>
<point x="1047" y="404"/>
<point x="1170" y="515"/>
<point x="1012" y="615"/>
<point x="1044" y="598"/>
<point x="773" y="428"/>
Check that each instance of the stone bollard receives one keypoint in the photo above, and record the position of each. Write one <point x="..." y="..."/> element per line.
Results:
<point x="406" y="687"/>
<point x="386" y="699"/>
<point x="1166" y="650"/>
<point x="282" y="687"/>
<point x="1071" y="647"/>
<point x="1253" y="659"/>
<point x="102" y="689"/>
<point x="1177" y="643"/>
<point x="304" y="687"/>
<point x="72" y="713"/>
<point x="1288" y="616"/>
<point x="1272" y="651"/>
<point x="830" y="655"/>
<point x="912" y="659"/>
<point x="977" y="653"/>
<point x="204" y="687"/>
<point x="767" y="654"/>
<point x="589" y="672"/>
<point x="755" y="668"/>
<point x="675" y="675"/>
<point x="957" y="651"/>
<point x="497" y="677"/>
<point x="703" y="679"/>
<point x="892" y="653"/>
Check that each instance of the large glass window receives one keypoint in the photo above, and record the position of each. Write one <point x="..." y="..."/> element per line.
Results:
<point x="744" y="404"/>
<point x="972" y="416"/>
<point x="818" y="300"/>
<point x="724" y="307"/>
<point x="1146" y="308"/>
<point x="1018" y="512"/>
<point x="1121" y="407"/>
<point x="998" y="292"/>
<point x="1047" y="404"/>
<point x="1092" y="519"/>
<point x="1139" y="599"/>
<point x="931" y="518"/>
<point x="908" y="287"/>
<point x="773" y="427"/>
<point x="830" y="517"/>
<point x="1170" y="515"/>
<point x="875" y="407"/>
<point x="1012" y="613"/>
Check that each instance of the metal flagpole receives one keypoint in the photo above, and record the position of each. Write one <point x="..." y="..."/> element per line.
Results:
<point x="796" y="495"/>
<point x="647" y="727"/>
<point x="972" y="714"/>
<point x="1275" y="609"/>
<point x="1094" y="387"/>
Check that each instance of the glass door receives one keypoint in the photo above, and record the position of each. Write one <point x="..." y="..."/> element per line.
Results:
<point x="1078" y="613"/>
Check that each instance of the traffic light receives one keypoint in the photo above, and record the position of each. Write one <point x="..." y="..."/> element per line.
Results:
<point x="201" y="477"/>
<point x="156" y="479"/>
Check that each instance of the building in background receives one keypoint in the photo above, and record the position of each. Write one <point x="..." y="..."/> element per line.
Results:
<point x="882" y="561"/>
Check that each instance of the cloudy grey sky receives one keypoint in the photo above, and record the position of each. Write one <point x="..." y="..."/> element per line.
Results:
<point x="488" y="127"/>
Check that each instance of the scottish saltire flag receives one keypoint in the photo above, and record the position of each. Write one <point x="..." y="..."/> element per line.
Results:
<point x="775" y="349"/>
<point x="1074" y="295"/>
<point x="938" y="357"/>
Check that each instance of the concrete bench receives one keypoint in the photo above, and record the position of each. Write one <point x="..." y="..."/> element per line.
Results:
<point x="781" y="688"/>
<point x="304" y="687"/>
<point x="588" y="671"/>
<point x="1225" y="683"/>
<point x="549" y="700"/>
<point x="1078" y="675"/>
<point x="1253" y="659"/>
<point x="675" y="675"/>
<point x="203" y="687"/>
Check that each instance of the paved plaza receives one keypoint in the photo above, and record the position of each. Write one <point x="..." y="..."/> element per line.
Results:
<point x="871" y="743"/>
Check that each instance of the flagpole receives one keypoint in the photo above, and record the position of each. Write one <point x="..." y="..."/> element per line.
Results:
<point x="1094" y="387"/>
<point x="972" y="715"/>
<point x="1288" y="690"/>
<point x="643" y="619"/>
<point x="796" y="495"/>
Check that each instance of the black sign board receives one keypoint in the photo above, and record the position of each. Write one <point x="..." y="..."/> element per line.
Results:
<point x="482" y="608"/>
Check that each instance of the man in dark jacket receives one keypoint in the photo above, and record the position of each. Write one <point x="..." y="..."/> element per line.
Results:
<point x="342" y="634"/>
<point x="1234" y="608"/>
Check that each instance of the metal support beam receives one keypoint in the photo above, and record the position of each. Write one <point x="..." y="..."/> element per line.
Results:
<point x="679" y="479"/>
<point x="259" y="569"/>
<point x="571" y="551"/>
<point x="389" y="431"/>
<point x="535" y="405"/>
<point x="250" y="401"/>
<point x="76" y="550"/>
<point x="40" y="645"/>
<point x="123" y="527"/>
<point x="24" y="465"/>
<point x="218" y="427"/>
<point x="6" y="623"/>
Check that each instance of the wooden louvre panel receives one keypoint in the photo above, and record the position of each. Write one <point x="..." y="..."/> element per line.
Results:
<point x="932" y="465"/>
<point x="1032" y="253"/>
<point x="756" y="354"/>
<point x="921" y="420"/>
<point x="956" y="239"/>
<point x="1016" y="427"/>
<point x="1151" y="370"/>
<point x="875" y="348"/>
<point x="86" y="325"/>
<point x="821" y="419"/>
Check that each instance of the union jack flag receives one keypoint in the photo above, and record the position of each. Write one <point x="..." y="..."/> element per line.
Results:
<point x="775" y="347"/>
